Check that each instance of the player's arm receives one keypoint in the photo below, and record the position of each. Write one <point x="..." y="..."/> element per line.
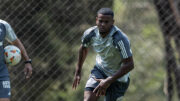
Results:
<point x="12" y="38"/>
<point x="19" y="44"/>
<point x="28" y="66"/>
<point x="127" y="62"/>
<point x="83" y="51"/>
<point x="127" y="66"/>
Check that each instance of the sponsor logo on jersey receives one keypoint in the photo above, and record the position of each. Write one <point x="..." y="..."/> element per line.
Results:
<point x="6" y="84"/>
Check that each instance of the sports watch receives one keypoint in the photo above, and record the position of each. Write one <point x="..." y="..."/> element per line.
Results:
<point x="28" y="61"/>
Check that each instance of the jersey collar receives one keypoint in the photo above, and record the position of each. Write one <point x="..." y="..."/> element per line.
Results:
<point x="114" y="29"/>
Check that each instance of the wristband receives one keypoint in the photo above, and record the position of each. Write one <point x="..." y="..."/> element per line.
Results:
<point x="28" y="61"/>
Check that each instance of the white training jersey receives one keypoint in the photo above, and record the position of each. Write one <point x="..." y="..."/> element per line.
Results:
<point x="110" y="50"/>
<point x="10" y="35"/>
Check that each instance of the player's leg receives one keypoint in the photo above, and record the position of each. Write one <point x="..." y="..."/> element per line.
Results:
<point x="90" y="96"/>
<point x="5" y="90"/>
<point x="91" y="84"/>
<point x="116" y="91"/>
<point x="4" y="99"/>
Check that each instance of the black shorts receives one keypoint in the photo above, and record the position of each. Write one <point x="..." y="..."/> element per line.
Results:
<point x="5" y="89"/>
<point x="115" y="91"/>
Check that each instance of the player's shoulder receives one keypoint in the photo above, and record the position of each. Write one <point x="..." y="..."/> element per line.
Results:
<point x="90" y="32"/>
<point x="3" y="22"/>
<point x="120" y="35"/>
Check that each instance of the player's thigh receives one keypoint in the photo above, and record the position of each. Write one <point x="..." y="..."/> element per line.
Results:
<point x="90" y="96"/>
<point x="4" y="99"/>
<point x="91" y="84"/>
<point x="116" y="91"/>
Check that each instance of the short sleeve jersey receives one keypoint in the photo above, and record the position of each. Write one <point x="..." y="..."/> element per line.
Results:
<point x="5" y="32"/>
<point x="10" y="35"/>
<point x="110" y="50"/>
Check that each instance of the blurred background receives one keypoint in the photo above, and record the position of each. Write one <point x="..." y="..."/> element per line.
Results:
<point x="51" y="32"/>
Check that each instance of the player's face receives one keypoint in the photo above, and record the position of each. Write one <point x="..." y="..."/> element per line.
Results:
<point x="104" y="23"/>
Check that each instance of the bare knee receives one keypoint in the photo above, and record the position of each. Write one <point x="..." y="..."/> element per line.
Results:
<point x="90" y="96"/>
<point x="4" y="99"/>
<point x="87" y="95"/>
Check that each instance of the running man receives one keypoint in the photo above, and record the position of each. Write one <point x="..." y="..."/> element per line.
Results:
<point x="114" y="61"/>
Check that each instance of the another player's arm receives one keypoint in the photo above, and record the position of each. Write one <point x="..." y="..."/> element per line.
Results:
<point x="83" y="51"/>
<point x="28" y="66"/>
<point x="12" y="38"/>
<point x="19" y="44"/>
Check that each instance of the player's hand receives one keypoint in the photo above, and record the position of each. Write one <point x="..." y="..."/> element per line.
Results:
<point x="76" y="82"/>
<point x="100" y="90"/>
<point x="28" y="70"/>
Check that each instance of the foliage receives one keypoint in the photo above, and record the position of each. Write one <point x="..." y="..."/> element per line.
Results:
<point x="139" y="21"/>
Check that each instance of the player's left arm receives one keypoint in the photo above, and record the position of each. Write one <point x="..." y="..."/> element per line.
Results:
<point x="13" y="39"/>
<point x="127" y="66"/>
<point x="28" y="66"/>
<point x="127" y="62"/>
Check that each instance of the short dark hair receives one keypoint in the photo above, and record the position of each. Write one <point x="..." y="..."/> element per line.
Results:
<point x="106" y="11"/>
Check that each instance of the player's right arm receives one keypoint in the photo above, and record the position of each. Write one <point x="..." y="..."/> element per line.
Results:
<point x="83" y="51"/>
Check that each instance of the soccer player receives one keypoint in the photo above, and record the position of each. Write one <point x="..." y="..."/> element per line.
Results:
<point x="6" y="32"/>
<point x="114" y="61"/>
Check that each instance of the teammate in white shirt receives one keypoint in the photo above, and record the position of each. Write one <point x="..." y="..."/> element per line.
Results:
<point x="6" y="32"/>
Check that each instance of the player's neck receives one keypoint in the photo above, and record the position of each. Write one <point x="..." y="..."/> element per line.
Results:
<point x="104" y="34"/>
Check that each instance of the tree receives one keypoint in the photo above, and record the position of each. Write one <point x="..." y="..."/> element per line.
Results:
<point x="169" y="16"/>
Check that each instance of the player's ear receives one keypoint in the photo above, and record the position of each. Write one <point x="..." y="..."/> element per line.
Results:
<point x="113" y="21"/>
<point x="96" y="20"/>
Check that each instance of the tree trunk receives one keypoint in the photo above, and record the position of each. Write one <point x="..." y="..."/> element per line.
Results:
<point x="168" y="19"/>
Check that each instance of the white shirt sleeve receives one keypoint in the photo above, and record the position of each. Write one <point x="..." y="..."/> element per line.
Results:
<point x="10" y="35"/>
